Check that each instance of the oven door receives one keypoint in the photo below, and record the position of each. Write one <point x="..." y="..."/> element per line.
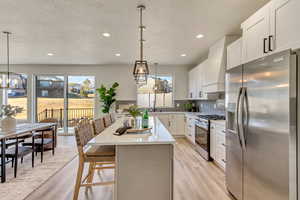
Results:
<point x="202" y="140"/>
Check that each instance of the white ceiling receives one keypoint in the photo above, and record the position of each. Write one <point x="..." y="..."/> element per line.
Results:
<point x="72" y="29"/>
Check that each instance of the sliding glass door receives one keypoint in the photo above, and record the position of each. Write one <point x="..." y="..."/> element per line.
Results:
<point x="65" y="98"/>
<point x="50" y="99"/>
<point x="81" y="93"/>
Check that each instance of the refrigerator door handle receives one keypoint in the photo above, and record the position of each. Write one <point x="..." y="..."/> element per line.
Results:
<point x="247" y="116"/>
<point x="237" y="115"/>
<point x="242" y="118"/>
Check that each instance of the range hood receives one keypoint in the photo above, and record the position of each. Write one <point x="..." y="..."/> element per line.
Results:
<point x="216" y="66"/>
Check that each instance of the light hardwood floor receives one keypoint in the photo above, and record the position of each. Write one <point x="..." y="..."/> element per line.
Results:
<point x="195" y="179"/>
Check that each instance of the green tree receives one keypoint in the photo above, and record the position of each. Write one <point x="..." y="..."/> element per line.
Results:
<point x="85" y="88"/>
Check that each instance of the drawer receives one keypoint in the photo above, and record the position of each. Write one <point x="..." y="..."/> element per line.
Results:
<point x="221" y="156"/>
<point x="190" y="137"/>
<point x="220" y="140"/>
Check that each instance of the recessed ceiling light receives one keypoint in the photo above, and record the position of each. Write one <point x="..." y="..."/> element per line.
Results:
<point x="117" y="54"/>
<point x="50" y="54"/>
<point x="199" y="36"/>
<point x="106" y="34"/>
<point x="183" y="55"/>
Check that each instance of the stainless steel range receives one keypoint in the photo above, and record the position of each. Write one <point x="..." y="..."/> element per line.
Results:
<point x="202" y="134"/>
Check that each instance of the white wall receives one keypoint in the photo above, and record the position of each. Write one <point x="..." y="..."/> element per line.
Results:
<point x="108" y="74"/>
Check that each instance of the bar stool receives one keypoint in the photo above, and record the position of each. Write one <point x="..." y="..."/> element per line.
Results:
<point x="98" y="125"/>
<point x="94" y="155"/>
<point x="107" y="120"/>
<point x="112" y="117"/>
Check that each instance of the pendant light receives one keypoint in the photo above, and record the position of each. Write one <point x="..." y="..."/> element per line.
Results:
<point x="141" y="70"/>
<point x="10" y="80"/>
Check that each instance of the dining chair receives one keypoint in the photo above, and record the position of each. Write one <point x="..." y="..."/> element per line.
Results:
<point x="97" y="157"/>
<point x="49" y="134"/>
<point x="19" y="151"/>
<point x="107" y="120"/>
<point x="45" y="139"/>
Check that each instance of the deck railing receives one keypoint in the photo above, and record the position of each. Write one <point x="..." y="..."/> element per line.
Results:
<point x="74" y="115"/>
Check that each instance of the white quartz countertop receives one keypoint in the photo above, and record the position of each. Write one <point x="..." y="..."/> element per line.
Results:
<point x="158" y="135"/>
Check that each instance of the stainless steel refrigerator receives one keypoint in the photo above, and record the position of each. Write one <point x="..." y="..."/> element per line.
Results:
<point x="261" y="137"/>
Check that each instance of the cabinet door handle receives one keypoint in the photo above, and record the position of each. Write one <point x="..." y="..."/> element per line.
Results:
<point x="265" y="40"/>
<point x="270" y="42"/>
<point x="224" y="144"/>
<point x="224" y="161"/>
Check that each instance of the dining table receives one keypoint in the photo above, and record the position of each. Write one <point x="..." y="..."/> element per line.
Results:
<point x="21" y="130"/>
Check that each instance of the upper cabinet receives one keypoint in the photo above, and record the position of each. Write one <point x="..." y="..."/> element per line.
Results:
<point x="196" y="81"/>
<point x="284" y="25"/>
<point x="255" y="35"/>
<point x="192" y="83"/>
<point x="273" y="28"/>
<point x="234" y="54"/>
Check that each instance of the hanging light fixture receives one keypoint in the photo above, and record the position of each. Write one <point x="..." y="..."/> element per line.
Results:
<point x="141" y="70"/>
<point x="10" y="80"/>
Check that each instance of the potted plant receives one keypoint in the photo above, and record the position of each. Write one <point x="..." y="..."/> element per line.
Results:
<point x="134" y="113"/>
<point x="188" y="107"/>
<point x="107" y="96"/>
<point x="7" y="114"/>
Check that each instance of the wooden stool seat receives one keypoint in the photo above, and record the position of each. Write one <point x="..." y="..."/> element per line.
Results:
<point x="96" y="159"/>
<point x="96" y="151"/>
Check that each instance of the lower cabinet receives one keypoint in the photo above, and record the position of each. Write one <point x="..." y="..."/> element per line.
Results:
<point x="190" y="129"/>
<point x="174" y="122"/>
<point x="217" y="144"/>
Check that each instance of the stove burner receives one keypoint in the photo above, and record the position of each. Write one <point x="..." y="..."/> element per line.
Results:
<point x="212" y="117"/>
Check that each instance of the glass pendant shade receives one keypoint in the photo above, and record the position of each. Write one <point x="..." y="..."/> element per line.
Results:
<point x="141" y="71"/>
<point x="12" y="81"/>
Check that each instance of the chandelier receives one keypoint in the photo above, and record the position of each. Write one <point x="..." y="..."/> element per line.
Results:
<point x="141" y="70"/>
<point x="10" y="80"/>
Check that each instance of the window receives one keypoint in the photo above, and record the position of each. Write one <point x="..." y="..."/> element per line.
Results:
<point x="19" y="98"/>
<point x="158" y="92"/>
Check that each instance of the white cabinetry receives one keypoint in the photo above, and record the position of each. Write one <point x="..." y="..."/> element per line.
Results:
<point x="190" y="129"/>
<point x="192" y="83"/>
<point x="284" y="25"/>
<point x="196" y="81"/>
<point x="234" y="54"/>
<point x="217" y="143"/>
<point x="255" y="35"/>
<point x="272" y="29"/>
<point x="174" y="122"/>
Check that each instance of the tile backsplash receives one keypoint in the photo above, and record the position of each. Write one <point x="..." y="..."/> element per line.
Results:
<point x="206" y="106"/>
<point x="211" y="106"/>
<point x="178" y="105"/>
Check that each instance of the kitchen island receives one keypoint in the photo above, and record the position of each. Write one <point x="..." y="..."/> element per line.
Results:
<point x="144" y="162"/>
